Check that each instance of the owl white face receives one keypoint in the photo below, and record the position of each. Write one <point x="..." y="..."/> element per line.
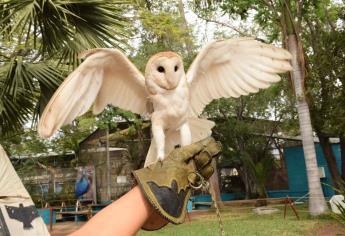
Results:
<point x="165" y="70"/>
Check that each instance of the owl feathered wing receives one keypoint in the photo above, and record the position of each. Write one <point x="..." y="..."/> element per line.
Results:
<point x="105" y="77"/>
<point x="232" y="68"/>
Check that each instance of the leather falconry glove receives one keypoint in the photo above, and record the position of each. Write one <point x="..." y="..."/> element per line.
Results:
<point x="167" y="184"/>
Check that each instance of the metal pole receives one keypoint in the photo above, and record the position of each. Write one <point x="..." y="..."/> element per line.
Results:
<point x="108" y="166"/>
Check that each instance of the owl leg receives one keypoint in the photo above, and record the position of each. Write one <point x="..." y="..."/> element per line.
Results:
<point x="186" y="135"/>
<point x="159" y="138"/>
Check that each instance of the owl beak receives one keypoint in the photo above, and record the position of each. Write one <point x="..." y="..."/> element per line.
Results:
<point x="172" y="85"/>
<point x="172" y="82"/>
<point x="165" y="86"/>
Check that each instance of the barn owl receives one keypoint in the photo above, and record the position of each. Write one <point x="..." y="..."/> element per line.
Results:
<point x="228" y="68"/>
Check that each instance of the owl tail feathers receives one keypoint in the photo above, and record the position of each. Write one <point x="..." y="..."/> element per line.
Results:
<point x="200" y="129"/>
<point x="151" y="156"/>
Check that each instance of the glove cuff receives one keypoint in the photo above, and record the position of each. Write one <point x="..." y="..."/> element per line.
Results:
<point x="170" y="202"/>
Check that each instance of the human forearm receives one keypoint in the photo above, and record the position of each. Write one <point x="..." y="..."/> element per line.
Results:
<point x="123" y="217"/>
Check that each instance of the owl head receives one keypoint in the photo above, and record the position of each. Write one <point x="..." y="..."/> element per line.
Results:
<point x="164" y="69"/>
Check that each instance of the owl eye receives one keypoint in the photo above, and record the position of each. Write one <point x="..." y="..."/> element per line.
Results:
<point x="161" y="69"/>
<point x="176" y="68"/>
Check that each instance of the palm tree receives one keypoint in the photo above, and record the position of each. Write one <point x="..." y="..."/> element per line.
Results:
<point x="39" y="43"/>
<point x="317" y="203"/>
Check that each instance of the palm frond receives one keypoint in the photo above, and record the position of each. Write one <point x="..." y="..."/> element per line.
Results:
<point x="58" y="24"/>
<point x="37" y="30"/>
<point x="20" y="84"/>
<point x="15" y="112"/>
<point x="18" y="74"/>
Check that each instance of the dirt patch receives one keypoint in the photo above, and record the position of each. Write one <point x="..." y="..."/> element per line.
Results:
<point x="65" y="228"/>
<point x="331" y="229"/>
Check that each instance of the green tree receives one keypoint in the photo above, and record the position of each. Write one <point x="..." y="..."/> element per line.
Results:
<point x="24" y="143"/>
<point x="326" y="78"/>
<point x="246" y="127"/>
<point x="163" y="28"/>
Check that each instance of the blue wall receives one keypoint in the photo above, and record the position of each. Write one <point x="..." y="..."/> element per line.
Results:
<point x="297" y="176"/>
<point x="45" y="214"/>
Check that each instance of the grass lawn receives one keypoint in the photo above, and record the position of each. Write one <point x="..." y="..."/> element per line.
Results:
<point x="239" y="221"/>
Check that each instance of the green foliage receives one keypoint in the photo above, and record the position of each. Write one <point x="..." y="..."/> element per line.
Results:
<point x="341" y="216"/>
<point x="162" y="30"/>
<point x="327" y="77"/>
<point x="340" y="190"/>
<point x="64" y="26"/>
<point x="245" y="127"/>
<point x="25" y="143"/>
<point x="20" y="84"/>
<point x="36" y="36"/>
<point x="262" y="170"/>
<point x="69" y="137"/>
<point x="265" y="17"/>
<point x="109" y="117"/>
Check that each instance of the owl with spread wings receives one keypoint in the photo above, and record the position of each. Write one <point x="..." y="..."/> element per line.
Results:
<point x="228" y="68"/>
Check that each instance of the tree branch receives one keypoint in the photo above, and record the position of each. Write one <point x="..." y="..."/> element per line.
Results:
<point x="270" y="5"/>
<point x="329" y="21"/>
<point x="47" y="168"/>
<point x="225" y="25"/>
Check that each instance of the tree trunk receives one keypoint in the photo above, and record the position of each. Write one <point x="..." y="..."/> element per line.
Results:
<point x="244" y="177"/>
<point x="249" y="181"/>
<point x="342" y="154"/>
<point x="214" y="185"/>
<point x="317" y="203"/>
<point x="330" y="158"/>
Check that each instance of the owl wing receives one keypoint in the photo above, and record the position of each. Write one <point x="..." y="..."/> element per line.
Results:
<point x="105" y="77"/>
<point x="232" y="68"/>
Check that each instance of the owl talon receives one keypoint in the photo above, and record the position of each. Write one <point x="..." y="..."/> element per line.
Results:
<point x="160" y="162"/>
<point x="160" y="158"/>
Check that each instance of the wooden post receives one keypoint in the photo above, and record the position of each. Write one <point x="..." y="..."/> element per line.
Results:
<point x="292" y="205"/>
<point x="108" y="166"/>
<point x="94" y="187"/>
<point x="50" y="219"/>
<point x="89" y="212"/>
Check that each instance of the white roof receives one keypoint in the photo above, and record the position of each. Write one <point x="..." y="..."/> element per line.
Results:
<point x="299" y="138"/>
<point x="103" y="149"/>
<point x="36" y="155"/>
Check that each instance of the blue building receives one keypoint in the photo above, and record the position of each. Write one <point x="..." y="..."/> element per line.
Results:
<point x="296" y="169"/>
